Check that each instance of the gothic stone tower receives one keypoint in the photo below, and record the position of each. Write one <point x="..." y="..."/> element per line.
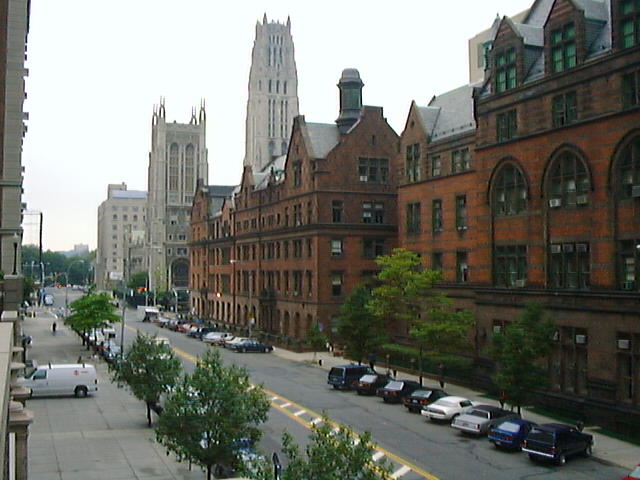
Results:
<point x="178" y="159"/>
<point x="273" y="94"/>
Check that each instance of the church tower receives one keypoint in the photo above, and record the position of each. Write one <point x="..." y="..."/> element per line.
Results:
<point x="273" y="94"/>
<point x="177" y="160"/>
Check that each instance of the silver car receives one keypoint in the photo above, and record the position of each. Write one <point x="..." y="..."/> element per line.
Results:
<point x="482" y="418"/>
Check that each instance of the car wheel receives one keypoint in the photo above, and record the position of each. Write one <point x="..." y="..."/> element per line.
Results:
<point x="588" y="451"/>
<point x="562" y="459"/>
<point x="80" y="392"/>
<point x="454" y="417"/>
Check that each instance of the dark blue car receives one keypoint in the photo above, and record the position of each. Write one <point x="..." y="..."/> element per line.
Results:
<point x="511" y="433"/>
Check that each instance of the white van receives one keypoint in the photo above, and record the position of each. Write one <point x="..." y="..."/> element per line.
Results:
<point x="77" y="379"/>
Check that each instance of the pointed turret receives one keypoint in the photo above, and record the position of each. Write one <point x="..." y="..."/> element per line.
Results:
<point x="350" y="86"/>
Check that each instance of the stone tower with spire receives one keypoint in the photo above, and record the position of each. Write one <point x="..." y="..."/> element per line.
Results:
<point x="177" y="160"/>
<point x="273" y="94"/>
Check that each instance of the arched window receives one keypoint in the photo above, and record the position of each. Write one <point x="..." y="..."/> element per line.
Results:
<point x="628" y="170"/>
<point x="173" y="167"/>
<point x="189" y="170"/>
<point x="568" y="181"/>
<point x="509" y="191"/>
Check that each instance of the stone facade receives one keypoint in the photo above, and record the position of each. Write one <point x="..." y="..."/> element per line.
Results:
<point x="121" y="225"/>
<point x="273" y="94"/>
<point x="177" y="161"/>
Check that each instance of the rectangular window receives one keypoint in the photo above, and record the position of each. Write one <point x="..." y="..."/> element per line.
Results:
<point x="373" y="212"/>
<point x="436" y="261"/>
<point x="309" y="247"/>
<point x="460" y="160"/>
<point x="373" y="247"/>
<point x="336" y="211"/>
<point x="412" y="167"/>
<point x="569" y="265"/>
<point x="629" y="264"/>
<point x="631" y="89"/>
<point x="373" y="170"/>
<point x="297" y="283"/>
<point x="564" y="109"/>
<point x="506" y="70"/>
<point x="462" y="267"/>
<point x="629" y="23"/>
<point x="436" y="216"/>
<point x="336" y="248"/>
<point x="297" y="249"/>
<point x="506" y="125"/>
<point x="297" y="215"/>
<point x="413" y="218"/>
<point x="336" y="284"/>
<point x="309" y="282"/>
<point x="563" y="48"/>
<point x="297" y="174"/>
<point x="461" y="212"/>
<point x="436" y="165"/>
<point x="510" y="265"/>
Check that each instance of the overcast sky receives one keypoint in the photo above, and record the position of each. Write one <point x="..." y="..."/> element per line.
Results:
<point x="97" y="67"/>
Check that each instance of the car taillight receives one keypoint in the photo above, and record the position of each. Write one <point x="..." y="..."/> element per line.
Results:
<point x="509" y="438"/>
<point x="424" y="402"/>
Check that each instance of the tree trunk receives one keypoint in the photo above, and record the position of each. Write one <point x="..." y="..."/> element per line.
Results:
<point x="208" y="472"/>
<point x="149" y="414"/>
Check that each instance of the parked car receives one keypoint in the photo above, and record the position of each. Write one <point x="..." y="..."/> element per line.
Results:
<point x="556" y="441"/>
<point x="112" y="354"/>
<point x="216" y="338"/>
<point x="200" y="332"/>
<point x="396" y="390"/>
<point x="447" y="408"/>
<point x="422" y="397"/>
<point x="248" y="458"/>
<point x="370" y="383"/>
<point x="634" y="474"/>
<point x="251" y="346"/>
<point x="511" y="433"/>
<point x="480" y="419"/>
<point x="231" y="340"/>
<point x="346" y="376"/>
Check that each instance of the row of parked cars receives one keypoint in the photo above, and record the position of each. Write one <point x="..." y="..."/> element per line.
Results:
<point x="504" y="428"/>
<point x="213" y="336"/>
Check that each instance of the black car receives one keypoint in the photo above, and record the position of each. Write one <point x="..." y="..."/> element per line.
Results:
<point x="555" y="441"/>
<point x="251" y="346"/>
<point x="370" y="383"/>
<point x="201" y="332"/>
<point x="422" y="397"/>
<point x="396" y="390"/>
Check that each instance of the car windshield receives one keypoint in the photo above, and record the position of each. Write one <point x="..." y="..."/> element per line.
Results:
<point x="336" y="371"/>
<point x="423" y="393"/>
<point x="509" y="427"/>
<point x="394" y="385"/>
<point x="478" y="413"/>
<point x="541" y="435"/>
<point x="368" y="378"/>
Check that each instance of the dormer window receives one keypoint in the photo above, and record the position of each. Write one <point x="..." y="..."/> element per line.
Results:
<point x="629" y="23"/>
<point x="506" y="70"/>
<point x="563" y="48"/>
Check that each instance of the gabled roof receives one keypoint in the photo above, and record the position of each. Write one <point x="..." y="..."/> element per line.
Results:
<point x="323" y="137"/>
<point x="455" y="112"/>
<point x="531" y="34"/>
<point x="217" y="195"/>
<point x="593" y="9"/>
<point x="429" y="117"/>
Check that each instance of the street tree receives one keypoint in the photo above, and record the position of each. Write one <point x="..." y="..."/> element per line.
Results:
<point x="210" y="412"/>
<point x="359" y="328"/>
<point x="333" y="455"/>
<point x="150" y="368"/>
<point x="90" y="312"/>
<point x="406" y="294"/>
<point x="137" y="280"/>
<point x="517" y="351"/>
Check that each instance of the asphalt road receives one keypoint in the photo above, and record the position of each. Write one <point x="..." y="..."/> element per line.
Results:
<point x="437" y="450"/>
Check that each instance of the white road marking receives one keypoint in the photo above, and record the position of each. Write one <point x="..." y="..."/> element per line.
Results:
<point x="285" y="405"/>
<point x="400" y="472"/>
<point x="300" y="412"/>
<point x="377" y="456"/>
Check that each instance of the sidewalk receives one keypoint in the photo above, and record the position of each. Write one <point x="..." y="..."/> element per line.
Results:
<point x="606" y="449"/>
<point x="100" y="437"/>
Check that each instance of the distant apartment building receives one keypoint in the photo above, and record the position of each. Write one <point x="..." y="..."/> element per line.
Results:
<point x="178" y="159"/>
<point x="121" y="224"/>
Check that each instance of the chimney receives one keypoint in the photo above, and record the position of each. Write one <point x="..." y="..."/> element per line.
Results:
<point x="350" y="87"/>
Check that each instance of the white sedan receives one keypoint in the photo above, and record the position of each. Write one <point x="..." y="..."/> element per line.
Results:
<point x="447" y="408"/>
<point x="216" y="338"/>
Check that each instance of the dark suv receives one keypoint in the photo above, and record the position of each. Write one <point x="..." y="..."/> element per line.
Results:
<point x="347" y="376"/>
<point x="555" y="441"/>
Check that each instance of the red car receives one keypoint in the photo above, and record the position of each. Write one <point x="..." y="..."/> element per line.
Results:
<point x="634" y="475"/>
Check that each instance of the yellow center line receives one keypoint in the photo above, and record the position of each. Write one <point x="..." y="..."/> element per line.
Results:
<point x="305" y="423"/>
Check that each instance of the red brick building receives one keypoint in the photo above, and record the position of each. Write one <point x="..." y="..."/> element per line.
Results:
<point x="551" y="196"/>
<point x="295" y="238"/>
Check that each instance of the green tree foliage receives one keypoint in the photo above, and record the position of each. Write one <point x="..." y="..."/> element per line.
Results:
<point x="316" y="339"/>
<point x="150" y="369"/>
<point x="360" y="330"/>
<point x="406" y="294"/>
<point x="137" y="280"/>
<point x="56" y="265"/>
<point x="92" y="311"/>
<point x="28" y="287"/>
<point x="517" y="351"/>
<point x="209" y="412"/>
<point x="333" y="455"/>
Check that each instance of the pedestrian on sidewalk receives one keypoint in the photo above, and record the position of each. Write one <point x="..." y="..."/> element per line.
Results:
<point x="372" y="361"/>
<point x="503" y="398"/>
<point x="54" y="327"/>
<point x="441" y="375"/>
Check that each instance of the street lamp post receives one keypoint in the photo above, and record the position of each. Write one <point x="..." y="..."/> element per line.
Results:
<point x="66" y="287"/>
